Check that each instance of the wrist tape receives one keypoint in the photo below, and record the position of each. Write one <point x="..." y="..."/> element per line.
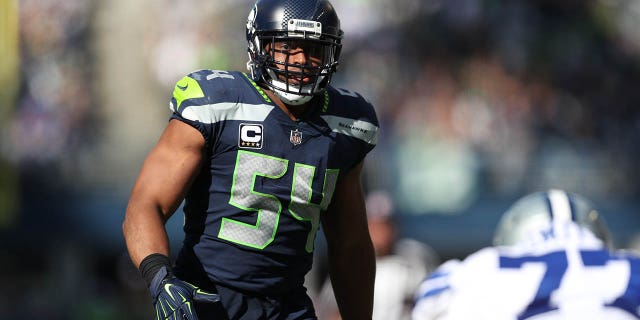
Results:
<point x="151" y="264"/>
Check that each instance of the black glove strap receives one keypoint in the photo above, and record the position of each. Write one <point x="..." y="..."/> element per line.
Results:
<point x="151" y="264"/>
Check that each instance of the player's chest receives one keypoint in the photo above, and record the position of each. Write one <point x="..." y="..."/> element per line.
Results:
<point x="309" y="142"/>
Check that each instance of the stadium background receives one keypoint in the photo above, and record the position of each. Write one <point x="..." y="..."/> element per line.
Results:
<point x="479" y="102"/>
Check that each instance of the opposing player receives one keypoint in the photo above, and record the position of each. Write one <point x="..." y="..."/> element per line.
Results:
<point x="552" y="259"/>
<point x="262" y="160"/>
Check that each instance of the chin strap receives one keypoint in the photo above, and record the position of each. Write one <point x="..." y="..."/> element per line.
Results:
<point x="288" y="97"/>
<point x="292" y="99"/>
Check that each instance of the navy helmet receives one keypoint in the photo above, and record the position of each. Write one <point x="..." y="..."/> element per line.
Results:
<point x="315" y="24"/>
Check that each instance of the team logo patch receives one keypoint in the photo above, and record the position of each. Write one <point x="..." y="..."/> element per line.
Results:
<point x="295" y="137"/>
<point x="250" y="136"/>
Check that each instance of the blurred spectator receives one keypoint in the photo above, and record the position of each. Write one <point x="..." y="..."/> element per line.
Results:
<point x="55" y="94"/>
<point x="400" y="265"/>
<point x="9" y="81"/>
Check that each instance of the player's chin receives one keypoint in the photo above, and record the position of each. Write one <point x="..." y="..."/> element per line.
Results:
<point x="300" y="81"/>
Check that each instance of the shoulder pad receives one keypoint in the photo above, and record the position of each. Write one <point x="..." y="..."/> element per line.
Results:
<point x="186" y="88"/>
<point x="349" y="113"/>
<point x="205" y="87"/>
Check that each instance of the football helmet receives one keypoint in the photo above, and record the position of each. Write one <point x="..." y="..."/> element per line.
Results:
<point x="311" y="24"/>
<point x="544" y="210"/>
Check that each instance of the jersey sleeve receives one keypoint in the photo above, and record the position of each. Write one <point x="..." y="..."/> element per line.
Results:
<point x="365" y="126"/>
<point x="352" y="115"/>
<point x="196" y="97"/>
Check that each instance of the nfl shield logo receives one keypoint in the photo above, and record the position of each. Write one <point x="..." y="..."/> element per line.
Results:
<point x="295" y="137"/>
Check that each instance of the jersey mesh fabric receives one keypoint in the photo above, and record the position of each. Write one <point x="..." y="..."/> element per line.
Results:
<point x="253" y="212"/>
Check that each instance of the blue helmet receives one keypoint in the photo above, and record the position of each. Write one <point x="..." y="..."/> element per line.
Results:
<point x="540" y="210"/>
<point x="314" y="23"/>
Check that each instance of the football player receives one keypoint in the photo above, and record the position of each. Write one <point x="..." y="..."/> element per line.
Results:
<point x="261" y="159"/>
<point x="552" y="259"/>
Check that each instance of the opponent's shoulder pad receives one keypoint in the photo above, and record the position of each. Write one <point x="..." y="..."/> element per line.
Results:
<point x="205" y="87"/>
<point x="438" y="281"/>
<point x="629" y="254"/>
<point x="484" y="256"/>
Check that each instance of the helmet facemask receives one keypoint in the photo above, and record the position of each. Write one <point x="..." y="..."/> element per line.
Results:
<point x="270" y="64"/>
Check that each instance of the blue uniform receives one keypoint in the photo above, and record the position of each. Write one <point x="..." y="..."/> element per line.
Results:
<point x="252" y="214"/>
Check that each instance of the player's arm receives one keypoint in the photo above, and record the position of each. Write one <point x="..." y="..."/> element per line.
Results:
<point x="164" y="179"/>
<point x="351" y="255"/>
<point x="166" y="174"/>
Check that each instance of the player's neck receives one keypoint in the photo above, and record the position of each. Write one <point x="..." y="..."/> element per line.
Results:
<point x="294" y="112"/>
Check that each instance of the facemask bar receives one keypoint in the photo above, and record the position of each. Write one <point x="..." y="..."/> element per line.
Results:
<point x="263" y="64"/>
<point x="303" y="79"/>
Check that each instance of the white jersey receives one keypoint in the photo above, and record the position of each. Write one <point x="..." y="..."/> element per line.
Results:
<point x="396" y="281"/>
<point x="570" y="278"/>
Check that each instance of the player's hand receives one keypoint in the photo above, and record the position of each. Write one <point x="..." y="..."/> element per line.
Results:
<point x="173" y="298"/>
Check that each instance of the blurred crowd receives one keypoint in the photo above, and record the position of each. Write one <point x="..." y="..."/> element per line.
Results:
<point x="494" y="98"/>
<point x="478" y="101"/>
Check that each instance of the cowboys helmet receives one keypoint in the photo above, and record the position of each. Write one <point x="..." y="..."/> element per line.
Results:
<point x="314" y="24"/>
<point x="541" y="210"/>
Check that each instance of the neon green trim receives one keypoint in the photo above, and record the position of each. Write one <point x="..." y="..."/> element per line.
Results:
<point x="325" y="106"/>
<point x="200" y="291"/>
<point x="167" y="288"/>
<point x="257" y="87"/>
<point x="186" y="88"/>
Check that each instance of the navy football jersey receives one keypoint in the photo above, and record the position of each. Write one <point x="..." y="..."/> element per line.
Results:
<point x="252" y="214"/>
